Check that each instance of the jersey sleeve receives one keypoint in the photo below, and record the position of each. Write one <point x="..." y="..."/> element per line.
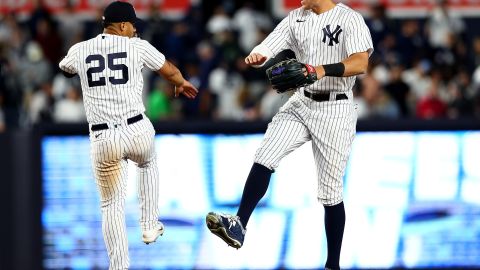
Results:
<point x="280" y="38"/>
<point x="69" y="62"/>
<point x="151" y="57"/>
<point x="358" y="38"/>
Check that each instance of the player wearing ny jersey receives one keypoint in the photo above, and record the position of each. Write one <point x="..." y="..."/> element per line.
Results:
<point x="334" y="40"/>
<point x="109" y="67"/>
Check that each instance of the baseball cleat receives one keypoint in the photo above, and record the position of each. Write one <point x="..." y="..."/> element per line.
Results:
<point x="229" y="228"/>
<point x="152" y="235"/>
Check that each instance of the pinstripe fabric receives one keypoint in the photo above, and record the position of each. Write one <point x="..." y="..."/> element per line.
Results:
<point x="302" y="32"/>
<point x="326" y="38"/>
<point x="112" y="102"/>
<point x="110" y="71"/>
<point x="331" y="127"/>
<point x="110" y="150"/>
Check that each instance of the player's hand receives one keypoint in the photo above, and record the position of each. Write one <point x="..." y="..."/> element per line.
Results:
<point x="255" y="59"/>
<point x="187" y="89"/>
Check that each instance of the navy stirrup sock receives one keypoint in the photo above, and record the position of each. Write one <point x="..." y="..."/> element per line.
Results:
<point x="255" y="188"/>
<point x="334" y="226"/>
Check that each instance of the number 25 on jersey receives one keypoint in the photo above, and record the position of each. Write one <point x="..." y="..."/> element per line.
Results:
<point x="101" y="67"/>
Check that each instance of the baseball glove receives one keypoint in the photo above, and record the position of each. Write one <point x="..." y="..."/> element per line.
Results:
<point x="290" y="74"/>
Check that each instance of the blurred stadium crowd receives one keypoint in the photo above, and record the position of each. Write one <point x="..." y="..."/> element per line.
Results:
<point x="421" y="68"/>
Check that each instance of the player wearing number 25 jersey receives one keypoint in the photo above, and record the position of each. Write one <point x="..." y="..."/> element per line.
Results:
<point x="110" y="70"/>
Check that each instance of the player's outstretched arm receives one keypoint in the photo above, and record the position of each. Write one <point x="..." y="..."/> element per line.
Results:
<point x="171" y="73"/>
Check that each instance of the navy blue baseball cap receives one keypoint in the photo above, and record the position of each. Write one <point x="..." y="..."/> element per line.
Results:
<point x="119" y="11"/>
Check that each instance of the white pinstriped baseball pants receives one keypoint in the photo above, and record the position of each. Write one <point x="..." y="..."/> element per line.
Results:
<point x="330" y="125"/>
<point x="110" y="150"/>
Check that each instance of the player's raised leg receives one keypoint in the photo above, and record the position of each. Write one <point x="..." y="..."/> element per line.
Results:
<point x="284" y="134"/>
<point x="148" y="195"/>
<point x="141" y="150"/>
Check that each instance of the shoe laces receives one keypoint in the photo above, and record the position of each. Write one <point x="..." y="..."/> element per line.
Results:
<point x="232" y="220"/>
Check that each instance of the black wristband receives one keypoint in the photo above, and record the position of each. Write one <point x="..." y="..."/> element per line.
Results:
<point x="68" y="75"/>
<point x="334" y="70"/>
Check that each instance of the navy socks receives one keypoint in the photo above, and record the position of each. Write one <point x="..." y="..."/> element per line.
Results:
<point x="255" y="188"/>
<point x="334" y="226"/>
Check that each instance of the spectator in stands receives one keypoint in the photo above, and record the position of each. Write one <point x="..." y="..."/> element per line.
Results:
<point x="8" y="25"/>
<point x="247" y="21"/>
<point x="410" y="43"/>
<point x="176" y="43"/>
<point x="442" y="25"/>
<point x="93" y="26"/>
<point x="14" y="38"/>
<point x="226" y="83"/>
<point x="41" y="105"/>
<point x="62" y="84"/>
<point x="431" y="105"/>
<point x="379" y="23"/>
<point x="39" y="12"/>
<point x="158" y="27"/>
<point x="450" y="59"/>
<point x="398" y="90"/>
<point x="70" y="109"/>
<point x="378" y="102"/>
<point x="249" y="105"/>
<point x="381" y="67"/>
<point x="50" y="41"/>
<point x="71" y="27"/>
<point x="461" y="96"/>
<point x="201" y="107"/>
<point x="10" y="87"/>
<point x="34" y="70"/>
<point x="441" y="84"/>
<point x="219" y="22"/>
<point x="194" y="20"/>
<point x="418" y="79"/>
<point x="208" y="59"/>
<point x="159" y="106"/>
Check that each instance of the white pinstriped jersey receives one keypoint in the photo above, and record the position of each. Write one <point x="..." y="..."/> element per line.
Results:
<point x="337" y="34"/>
<point x="326" y="38"/>
<point x="110" y="70"/>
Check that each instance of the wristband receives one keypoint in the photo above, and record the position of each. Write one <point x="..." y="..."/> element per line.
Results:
<point x="68" y="75"/>
<point x="334" y="70"/>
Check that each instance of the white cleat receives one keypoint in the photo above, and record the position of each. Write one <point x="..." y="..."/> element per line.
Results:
<point x="152" y="235"/>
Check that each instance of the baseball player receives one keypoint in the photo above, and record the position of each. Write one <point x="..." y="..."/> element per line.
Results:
<point x="335" y="44"/>
<point x="109" y="67"/>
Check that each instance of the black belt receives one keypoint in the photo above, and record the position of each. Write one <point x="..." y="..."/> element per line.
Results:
<point x="130" y="121"/>
<point x="324" y="96"/>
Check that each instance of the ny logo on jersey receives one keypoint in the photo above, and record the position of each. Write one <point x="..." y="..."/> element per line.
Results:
<point x="333" y="36"/>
